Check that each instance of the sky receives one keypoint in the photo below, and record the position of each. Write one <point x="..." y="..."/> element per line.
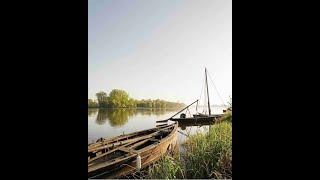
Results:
<point x="159" y="48"/>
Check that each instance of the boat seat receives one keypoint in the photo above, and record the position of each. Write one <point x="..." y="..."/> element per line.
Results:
<point x="127" y="150"/>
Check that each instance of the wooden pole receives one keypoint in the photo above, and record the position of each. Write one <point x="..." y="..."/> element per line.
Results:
<point x="208" y="92"/>
<point x="184" y="109"/>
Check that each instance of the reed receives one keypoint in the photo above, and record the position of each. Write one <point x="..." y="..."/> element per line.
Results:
<point x="205" y="155"/>
<point x="210" y="155"/>
<point x="169" y="167"/>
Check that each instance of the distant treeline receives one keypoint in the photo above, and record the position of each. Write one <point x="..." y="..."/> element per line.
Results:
<point x="120" y="99"/>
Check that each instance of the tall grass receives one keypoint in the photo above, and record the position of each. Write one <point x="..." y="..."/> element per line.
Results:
<point x="169" y="167"/>
<point x="210" y="155"/>
<point x="206" y="155"/>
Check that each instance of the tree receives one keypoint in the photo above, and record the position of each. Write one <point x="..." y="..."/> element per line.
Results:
<point x="102" y="99"/>
<point x="121" y="99"/>
<point x="118" y="98"/>
<point x="92" y="104"/>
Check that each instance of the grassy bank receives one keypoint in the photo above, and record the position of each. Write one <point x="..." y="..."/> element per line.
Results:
<point x="206" y="155"/>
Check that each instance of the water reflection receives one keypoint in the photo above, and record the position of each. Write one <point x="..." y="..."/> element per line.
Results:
<point x="102" y="116"/>
<point x="157" y="112"/>
<point x="115" y="117"/>
<point x="184" y="125"/>
<point x="92" y="111"/>
<point x="119" y="117"/>
<point x="114" y="122"/>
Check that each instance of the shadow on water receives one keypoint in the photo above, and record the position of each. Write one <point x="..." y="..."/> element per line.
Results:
<point x="183" y="126"/>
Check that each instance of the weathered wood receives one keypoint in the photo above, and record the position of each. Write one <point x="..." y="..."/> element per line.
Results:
<point x="118" y="138"/>
<point x="161" y="121"/>
<point x="208" y="93"/>
<point x="149" y="154"/>
<point x="127" y="141"/>
<point x="115" y="168"/>
<point x="123" y="142"/>
<point x="129" y="135"/>
<point x="197" y="119"/>
<point x="139" y="143"/>
<point x="111" y="151"/>
<point x="161" y="125"/>
<point x="128" y="150"/>
<point x="108" y="163"/>
<point x="109" y="144"/>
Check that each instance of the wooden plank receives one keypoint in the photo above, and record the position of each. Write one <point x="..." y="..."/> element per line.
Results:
<point x="125" y="145"/>
<point x="129" y="140"/>
<point x="108" y="163"/>
<point x="112" y="140"/>
<point x="161" y="121"/>
<point x="184" y="109"/>
<point x="128" y="150"/>
<point x="126" y="141"/>
<point x="107" y="141"/>
<point x="113" y="150"/>
<point x="120" y="143"/>
<point x="148" y="155"/>
<point x="138" y="144"/>
<point x="161" y="125"/>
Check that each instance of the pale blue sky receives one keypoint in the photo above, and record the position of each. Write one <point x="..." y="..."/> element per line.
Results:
<point x="159" y="48"/>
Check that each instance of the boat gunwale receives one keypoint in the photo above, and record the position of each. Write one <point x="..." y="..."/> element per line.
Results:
<point x="112" y="139"/>
<point x="134" y="153"/>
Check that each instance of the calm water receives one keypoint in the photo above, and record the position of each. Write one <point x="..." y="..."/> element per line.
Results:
<point x="113" y="122"/>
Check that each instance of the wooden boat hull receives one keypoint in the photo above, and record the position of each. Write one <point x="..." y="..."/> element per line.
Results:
<point x="148" y="155"/>
<point x="197" y="119"/>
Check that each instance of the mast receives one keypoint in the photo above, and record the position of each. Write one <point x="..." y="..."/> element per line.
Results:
<point x="207" y="92"/>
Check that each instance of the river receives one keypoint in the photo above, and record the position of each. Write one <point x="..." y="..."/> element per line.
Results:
<point x="108" y="123"/>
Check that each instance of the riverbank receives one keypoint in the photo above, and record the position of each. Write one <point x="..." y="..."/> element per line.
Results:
<point x="205" y="155"/>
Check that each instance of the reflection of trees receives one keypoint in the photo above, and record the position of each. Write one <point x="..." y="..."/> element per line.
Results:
<point x="102" y="116"/>
<point x="92" y="111"/>
<point x="119" y="117"/>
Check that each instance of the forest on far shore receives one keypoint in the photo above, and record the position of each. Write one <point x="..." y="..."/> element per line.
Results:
<point x="120" y="99"/>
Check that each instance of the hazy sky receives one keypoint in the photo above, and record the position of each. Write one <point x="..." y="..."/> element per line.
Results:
<point x="159" y="48"/>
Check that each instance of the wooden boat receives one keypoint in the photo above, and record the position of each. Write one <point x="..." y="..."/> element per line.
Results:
<point x="123" y="155"/>
<point x="199" y="117"/>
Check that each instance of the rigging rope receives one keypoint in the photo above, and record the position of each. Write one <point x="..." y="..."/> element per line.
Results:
<point x="217" y="91"/>
<point x="200" y="95"/>
<point x="188" y="111"/>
